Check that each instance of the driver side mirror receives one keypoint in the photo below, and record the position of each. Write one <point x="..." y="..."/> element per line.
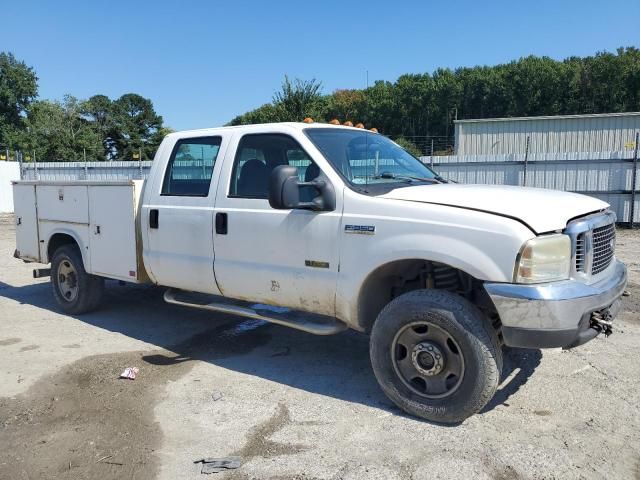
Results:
<point x="285" y="187"/>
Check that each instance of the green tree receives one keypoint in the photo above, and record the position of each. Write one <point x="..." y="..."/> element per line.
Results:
<point x="380" y="109"/>
<point x="57" y="131"/>
<point x="345" y="105"/>
<point x="18" y="88"/>
<point x="298" y="99"/>
<point x="295" y="101"/>
<point x="134" y="127"/>
<point x="267" y="113"/>
<point x="409" y="146"/>
<point x="427" y="104"/>
<point x="415" y="94"/>
<point x="98" y="109"/>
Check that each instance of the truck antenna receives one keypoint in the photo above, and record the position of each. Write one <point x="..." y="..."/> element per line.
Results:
<point x="366" y="135"/>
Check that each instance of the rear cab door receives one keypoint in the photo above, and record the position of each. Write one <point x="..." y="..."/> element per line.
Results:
<point x="177" y="212"/>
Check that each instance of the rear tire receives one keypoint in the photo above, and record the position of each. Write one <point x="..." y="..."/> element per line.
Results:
<point x="435" y="355"/>
<point x="74" y="289"/>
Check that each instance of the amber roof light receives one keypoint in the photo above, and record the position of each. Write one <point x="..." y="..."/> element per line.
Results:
<point x="308" y="120"/>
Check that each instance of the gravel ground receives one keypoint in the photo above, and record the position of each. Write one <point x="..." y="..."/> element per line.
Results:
<point x="292" y="405"/>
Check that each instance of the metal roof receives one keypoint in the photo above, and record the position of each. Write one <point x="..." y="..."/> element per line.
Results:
<point x="548" y="117"/>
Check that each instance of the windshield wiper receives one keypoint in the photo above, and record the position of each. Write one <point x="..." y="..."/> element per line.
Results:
<point x="443" y="180"/>
<point x="409" y="178"/>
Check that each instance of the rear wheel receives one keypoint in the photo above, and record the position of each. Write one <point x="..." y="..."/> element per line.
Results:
<point x="435" y="355"/>
<point x="74" y="289"/>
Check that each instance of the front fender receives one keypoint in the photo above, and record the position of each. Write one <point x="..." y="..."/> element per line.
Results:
<point x="480" y="244"/>
<point x="454" y="252"/>
<point x="354" y="273"/>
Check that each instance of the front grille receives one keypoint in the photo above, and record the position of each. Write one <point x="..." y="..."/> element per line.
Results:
<point x="593" y="243"/>
<point x="581" y="253"/>
<point x="603" y="247"/>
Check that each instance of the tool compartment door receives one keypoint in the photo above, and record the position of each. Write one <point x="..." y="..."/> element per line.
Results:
<point x="26" y="215"/>
<point x="112" y="231"/>
<point x="62" y="203"/>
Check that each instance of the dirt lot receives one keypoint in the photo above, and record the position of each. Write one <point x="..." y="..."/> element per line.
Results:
<point x="292" y="405"/>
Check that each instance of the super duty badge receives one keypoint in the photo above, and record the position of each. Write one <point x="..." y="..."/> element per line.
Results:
<point x="360" y="229"/>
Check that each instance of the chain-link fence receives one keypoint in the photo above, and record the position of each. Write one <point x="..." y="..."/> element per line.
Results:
<point x="431" y="145"/>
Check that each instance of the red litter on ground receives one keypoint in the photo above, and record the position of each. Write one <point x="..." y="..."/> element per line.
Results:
<point x="130" y="373"/>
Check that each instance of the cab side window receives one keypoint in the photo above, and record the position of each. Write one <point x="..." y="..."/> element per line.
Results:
<point x="190" y="167"/>
<point x="258" y="155"/>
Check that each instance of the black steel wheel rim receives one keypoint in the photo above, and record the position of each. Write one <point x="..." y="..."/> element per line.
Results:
<point x="427" y="359"/>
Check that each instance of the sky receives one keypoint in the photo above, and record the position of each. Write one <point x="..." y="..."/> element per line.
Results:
<point x="204" y="62"/>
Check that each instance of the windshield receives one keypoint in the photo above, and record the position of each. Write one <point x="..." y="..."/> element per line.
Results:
<point x="367" y="158"/>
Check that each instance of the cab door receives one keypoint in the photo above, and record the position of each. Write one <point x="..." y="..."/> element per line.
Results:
<point x="177" y="217"/>
<point x="286" y="258"/>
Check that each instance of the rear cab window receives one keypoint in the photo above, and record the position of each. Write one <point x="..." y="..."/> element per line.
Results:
<point x="190" y="167"/>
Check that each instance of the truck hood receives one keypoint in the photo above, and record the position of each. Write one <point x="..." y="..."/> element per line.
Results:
<point x="541" y="209"/>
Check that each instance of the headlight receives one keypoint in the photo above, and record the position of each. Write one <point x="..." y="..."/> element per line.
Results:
<point x="544" y="259"/>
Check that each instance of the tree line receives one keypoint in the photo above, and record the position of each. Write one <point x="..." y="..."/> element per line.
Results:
<point x="425" y="105"/>
<point x="98" y="128"/>
<point x="414" y="107"/>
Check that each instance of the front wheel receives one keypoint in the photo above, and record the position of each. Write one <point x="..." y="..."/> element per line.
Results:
<point x="74" y="289"/>
<point x="435" y="355"/>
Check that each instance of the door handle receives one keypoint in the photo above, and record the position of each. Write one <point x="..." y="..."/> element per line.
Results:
<point x="153" y="218"/>
<point x="221" y="223"/>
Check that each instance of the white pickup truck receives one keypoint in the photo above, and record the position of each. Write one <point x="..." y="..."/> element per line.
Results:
<point x="323" y="228"/>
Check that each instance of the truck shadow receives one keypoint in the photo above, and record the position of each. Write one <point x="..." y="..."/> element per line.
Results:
<point x="518" y="366"/>
<point x="336" y="366"/>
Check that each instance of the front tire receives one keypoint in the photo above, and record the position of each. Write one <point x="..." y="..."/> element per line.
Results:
<point x="74" y="289"/>
<point x="435" y="355"/>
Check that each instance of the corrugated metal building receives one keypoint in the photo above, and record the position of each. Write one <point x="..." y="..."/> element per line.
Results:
<point x="557" y="134"/>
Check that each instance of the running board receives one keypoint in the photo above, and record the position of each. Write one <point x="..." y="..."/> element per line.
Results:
<point x="307" y="322"/>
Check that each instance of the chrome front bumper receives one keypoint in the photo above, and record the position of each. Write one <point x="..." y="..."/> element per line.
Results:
<point x="555" y="314"/>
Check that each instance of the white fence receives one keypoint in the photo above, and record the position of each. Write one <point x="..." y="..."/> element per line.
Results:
<point x="9" y="171"/>
<point x="605" y="175"/>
